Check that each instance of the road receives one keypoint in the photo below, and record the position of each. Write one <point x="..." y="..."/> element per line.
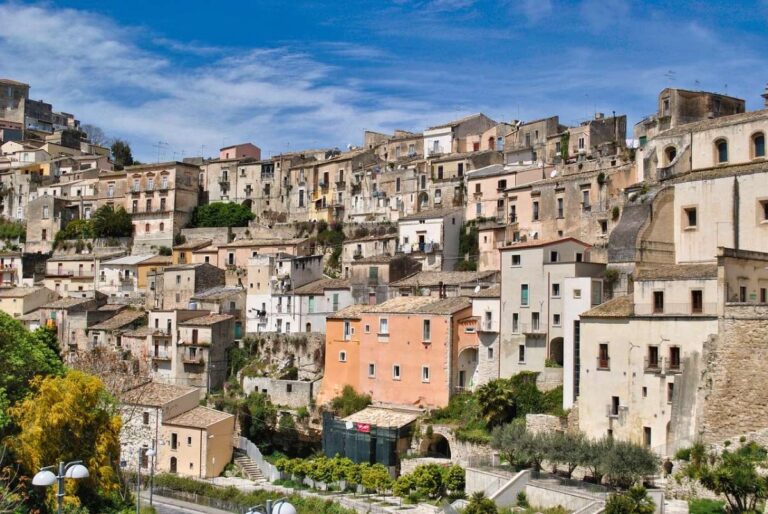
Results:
<point x="171" y="506"/>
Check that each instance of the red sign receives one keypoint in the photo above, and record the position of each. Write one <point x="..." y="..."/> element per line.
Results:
<point x="363" y="427"/>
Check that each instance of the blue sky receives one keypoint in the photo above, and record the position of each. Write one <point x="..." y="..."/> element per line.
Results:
<point x="286" y="75"/>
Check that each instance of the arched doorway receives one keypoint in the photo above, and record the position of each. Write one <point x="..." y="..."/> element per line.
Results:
<point x="423" y="201"/>
<point x="467" y="368"/>
<point x="248" y="203"/>
<point x="309" y="327"/>
<point x="556" y="350"/>
<point x="436" y="446"/>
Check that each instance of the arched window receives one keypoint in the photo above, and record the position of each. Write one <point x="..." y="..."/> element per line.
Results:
<point x="146" y="228"/>
<point x="162" y="227"/>
<point x="758" y="145"/>
<point x="670" y="153"/>
<point x="721" y="150"/>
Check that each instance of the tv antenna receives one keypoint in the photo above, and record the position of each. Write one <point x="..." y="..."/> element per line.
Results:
<point x="159" y="145"/>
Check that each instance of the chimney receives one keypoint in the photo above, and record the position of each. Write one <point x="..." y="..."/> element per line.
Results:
<point x="765" y="96"/>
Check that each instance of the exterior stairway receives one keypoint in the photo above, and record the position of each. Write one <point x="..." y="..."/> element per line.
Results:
<point x="248" y="467"/>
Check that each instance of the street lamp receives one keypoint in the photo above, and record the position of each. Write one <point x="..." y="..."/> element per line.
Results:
<point x="281" y="506"/>
<point x="149" y="453"/>
<point x="45" y="478"/>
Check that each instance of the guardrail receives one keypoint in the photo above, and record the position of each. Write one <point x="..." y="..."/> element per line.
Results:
<point x="268" y="469"/>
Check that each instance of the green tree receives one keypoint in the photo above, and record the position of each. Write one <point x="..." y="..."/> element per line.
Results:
<point x="479" y="504"/>
<point x="455" y="479"/>
<point x="507" y="439"/>
<point x="428" y="480"/>
<point x="261" y="417"/>
<point x="627" y="463"/>
<point x="121" y="154"/>
<point x="634" y="501"/>
<point x="24" y="355"/>
<point x="376" y="478"/>
<point x="222" y="214"/>
<point x="66" y="418"/>
<point x="567" y="449"/>
<point x="593" y="457"/>
<point x="735" y="475"/>
<point x="111" y="222"/>
<point x="497" y="401"/>
<point x="349" y="402"/>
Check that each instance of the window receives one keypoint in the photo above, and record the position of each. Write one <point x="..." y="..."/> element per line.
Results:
<point x="615" y="402"/>
<point x="347" y="330"/>
<point x="367" y="329"/>
<point x="44" y="235"/>
<point x="763" y="295"/>
<point x="397" y="184"/>
<point x="721" y="151"/>
<point x="146" y="228"/>
<point x="342" y="356"/>
<point x="670" y="153"/>
<point x="670" y="392"/>
<point x="764" y="210"/>
<point x="647" y="436"/>
<point x="145" y="418"/>
<point x="45" y="212"/>
<point x="645" y="392"/>
<point x="516" y="260"/>
<point x="174" y="441"/>
<point x="535" y="211"/>
<point x="554" y="256"/>
<point x="579" y="257"/>
<point x="697" y="301"/>
<point x="603" y="359"/>
<point x="585" y="198"/>
<point x="674" y="358"/>
<point x="311" y="306"/>
<point x="371" y="370"/>
<point x="383" y="326"/>
<point x="515" y="322"/>
<point x="742" y="294"/>
<point x="460" y="169"/>
<point x="149" y="205"/>
<point x="288" y="388"/>
<point x="535" y="320"/>
<point x="162" y="227"/>
<point x="396" y="372"/>
<point x="658" y="302"/>
<point x="427" y="330"/>
<point x="439" y="173"/>
<point x="690" y="217"/>
<point x="559" y="207"/>
<point x="425" y="373"/>
<point x="521" y="353"/>
<point x="653" y="357"/>
<point x="524" y="295"/>
<point x="502" y="184"/>
<point x="581" y="143"/>
<point x="758" y="145"/>
<point x="490" y="353"/>
<point x="556" y="320"/>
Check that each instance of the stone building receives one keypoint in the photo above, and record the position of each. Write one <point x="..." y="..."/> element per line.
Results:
<point x="367" y="246"/>
<point x="175" y="286"/>
<point x="46" y="215"/>
<point x="201" y="356"/>
<point x="444" y="284"/>
<point x="370" y="277"/>
<point x="432" y="238"/>
<point x="461" y="135"/>
<point x="478" y="357"/>
<point x="17" y="301"/>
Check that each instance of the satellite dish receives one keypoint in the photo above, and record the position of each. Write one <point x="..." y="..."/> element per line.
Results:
<point x="477" y="288"/>
<point x="553" y="174"/>
<point x="349" y="146"/>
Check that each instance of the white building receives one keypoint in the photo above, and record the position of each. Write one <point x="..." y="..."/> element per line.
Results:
<point x="432" y="238"/>
<point x="119" y="277"/>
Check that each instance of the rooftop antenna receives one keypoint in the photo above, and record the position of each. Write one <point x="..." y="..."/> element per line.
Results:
<point x="670" y="74"/>
<point x="159" y="145"/>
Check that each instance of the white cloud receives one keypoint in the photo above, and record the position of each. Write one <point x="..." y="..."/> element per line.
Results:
<point x="535" y="10"/>
<point x="85" y="64"/>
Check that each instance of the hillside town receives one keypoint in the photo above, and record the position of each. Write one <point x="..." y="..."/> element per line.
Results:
<point x="250" y="311"/>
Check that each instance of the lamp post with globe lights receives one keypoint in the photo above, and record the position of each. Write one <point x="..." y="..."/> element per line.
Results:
<point x="46" y="478"/>
<point x="281" y="506"/>
<point x="151" y="454"/>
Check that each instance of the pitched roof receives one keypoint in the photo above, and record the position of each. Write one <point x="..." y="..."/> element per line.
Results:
<point x="277" y="241"/>
<point x="371" y="237"/>
<point x="458" y="121"/>
<point x="621" y="307"/>
<point x="10" y="82"/>
<point x="677" y="272"/>
<point x="30" y="316"/>
<point x="218" y="293"/>
<point x="351" y="312"/>
<point x="18" y="292"/>
<point x="159" y="259"/>
<point x="154" y="394"/>
<point x="489" y="292"/>
<point x="319" y="286"/>
<point x="128" y="260"/>
<point x="375" y="259"/>
<point x="199" y="417"/>
<point x="119" y="320"/>
<point x="207" y="320"/>
<point x="448" y="278"/>
<point x="533" y="243"/>
<point x="67" y="303"/>
<point x="488" y="171"/>
<point x="193" y="244"/>
<point x="430" y="214"/>
<point x="420" y="305"/>
<point x="382" y="417"/>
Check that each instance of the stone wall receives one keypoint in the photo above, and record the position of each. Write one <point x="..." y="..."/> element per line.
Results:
<point x="285" y="393"/>
<point x="549" y="379"/>
<point x="544" y="423"/>
<point x="462" y="452"/>
<point x="274" y="352"/>
<point x="735" y="375"/>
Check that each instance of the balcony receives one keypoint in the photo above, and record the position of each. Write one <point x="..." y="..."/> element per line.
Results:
<point x="604" y="363"/>
<point x="163" y="188"/>
<point x="135" y="190"/>
<point x="150" y="188"/>
<point x="653" y="365"/>
<point x="585" y="207"/>
<point x="612" y="411"/>
<point x="161" y="358"/>
<point x="323" y="186"/>
<point x="197" y="360"/>
<point x="340" y="184"/>
<point x="533" y="329"/>
<point x="488" y="326"/>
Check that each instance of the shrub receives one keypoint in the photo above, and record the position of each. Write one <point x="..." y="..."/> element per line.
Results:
<point x="349" y="402"/>
<point x="222" y="214"/>
<point x="522" y="500"/>
<point x="634" y="501"/>
<point x="164" y="250"/>
<point x="479" y="504"/>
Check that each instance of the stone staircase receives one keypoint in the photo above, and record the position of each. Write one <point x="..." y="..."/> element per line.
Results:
<point x="249" y="468"/>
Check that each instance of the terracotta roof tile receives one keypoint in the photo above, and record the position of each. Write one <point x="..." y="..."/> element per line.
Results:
<point x="199" y="417"/>
<point x="677" y="272"/>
